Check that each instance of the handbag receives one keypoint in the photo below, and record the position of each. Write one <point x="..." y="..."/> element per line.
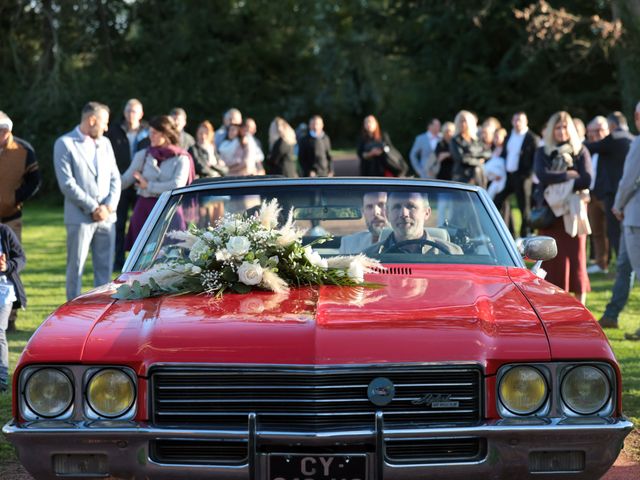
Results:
<point x="541" y="217"/>
<point x="393" y="161"/>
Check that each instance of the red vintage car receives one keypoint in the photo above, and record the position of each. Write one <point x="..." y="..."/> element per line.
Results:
<point x="453" y="361"/>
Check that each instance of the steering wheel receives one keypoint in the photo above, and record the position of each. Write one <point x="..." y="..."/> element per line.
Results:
<point x="399" y="247"/>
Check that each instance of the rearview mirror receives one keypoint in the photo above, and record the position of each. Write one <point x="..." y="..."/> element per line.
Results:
<point x="327" y="213"/>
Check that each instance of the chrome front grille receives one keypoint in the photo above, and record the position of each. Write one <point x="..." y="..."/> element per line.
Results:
<point x="286" y="398"/>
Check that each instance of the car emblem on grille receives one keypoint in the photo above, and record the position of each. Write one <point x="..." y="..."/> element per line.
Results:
<point x="436" y="400"/>
<point x="381" y="391"/>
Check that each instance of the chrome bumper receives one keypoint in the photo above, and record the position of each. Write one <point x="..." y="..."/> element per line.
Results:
<point x="507" y="455"/>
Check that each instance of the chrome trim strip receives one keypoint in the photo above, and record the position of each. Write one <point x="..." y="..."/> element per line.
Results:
<point x="144" y="234"/>
<point x="380" y="445"/>
<point x="252" y="447"/>
<point x="502" y="227"/>
<point x="181" y="368"/>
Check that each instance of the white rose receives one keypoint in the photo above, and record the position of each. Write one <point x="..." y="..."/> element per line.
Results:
<point x="222" y="255"/>
<point x="198" y="250"/>
<point x="314" y="258"/>
<point x="238" y="246"/>
<point x="196" y="270"/>
<point x="209" y="237"/>
<point x="250" y="273"/>
<point x="356" y="272"/>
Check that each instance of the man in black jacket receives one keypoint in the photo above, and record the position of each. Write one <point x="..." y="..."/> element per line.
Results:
<point x="612" y="151"/>
<point x="126" y="138"/>
<point x="314" y="151"/>
<point x="519" y="149"/>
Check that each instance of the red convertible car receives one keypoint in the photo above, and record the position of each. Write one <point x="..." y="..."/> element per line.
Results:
<point x="448" y="359"/>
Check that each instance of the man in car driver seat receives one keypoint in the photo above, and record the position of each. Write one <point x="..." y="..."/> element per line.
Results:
<point x="407" y="212"/>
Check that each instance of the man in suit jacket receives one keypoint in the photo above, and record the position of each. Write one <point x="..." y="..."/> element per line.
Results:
<point x="374" y="211"/>
<point x="519" y="149"/>
<point x="314" y="150"/>
<point x="126" y="139"/>
<point x="612" y="151"/>
<point x="626" y="207"/>
<point x="88" y="177"/>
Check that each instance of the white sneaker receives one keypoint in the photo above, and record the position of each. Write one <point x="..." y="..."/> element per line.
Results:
<point x="595" y="268"/>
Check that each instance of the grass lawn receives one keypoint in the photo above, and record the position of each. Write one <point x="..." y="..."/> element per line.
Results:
<point x="44" y="279"/>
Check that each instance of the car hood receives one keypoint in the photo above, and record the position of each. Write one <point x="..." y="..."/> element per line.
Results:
<point x="417" y="314"/>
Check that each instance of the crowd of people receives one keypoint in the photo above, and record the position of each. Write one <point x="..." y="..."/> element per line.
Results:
<point x="573" y="183"/>
<point x="569" y="183"/>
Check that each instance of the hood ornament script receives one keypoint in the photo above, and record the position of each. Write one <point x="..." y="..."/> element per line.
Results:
<point x="436" y="400"/>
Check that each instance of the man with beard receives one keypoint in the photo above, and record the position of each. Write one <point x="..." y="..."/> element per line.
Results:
<point x="89" y="179"/>
<point x="407" y="213"/>
<point x="373" y="210"/>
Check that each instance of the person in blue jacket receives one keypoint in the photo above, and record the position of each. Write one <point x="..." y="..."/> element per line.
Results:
<point x="12" y="295"/>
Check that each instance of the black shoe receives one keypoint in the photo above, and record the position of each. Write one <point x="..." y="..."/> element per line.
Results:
<point x="11" y="327"/>
<point x="632" y="336"/>
<point x="608" y="322"/>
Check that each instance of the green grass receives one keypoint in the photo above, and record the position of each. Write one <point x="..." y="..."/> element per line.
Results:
<point x="44" y="279"/>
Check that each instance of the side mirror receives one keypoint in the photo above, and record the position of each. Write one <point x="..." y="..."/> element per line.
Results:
<point x="539" y="249"/>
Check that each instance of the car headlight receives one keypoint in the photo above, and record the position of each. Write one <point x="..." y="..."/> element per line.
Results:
<point x="585" y="389"/>
<point x="523" y="390"/>
<point x="48" y="392"/>
<point x="110" y="392"/>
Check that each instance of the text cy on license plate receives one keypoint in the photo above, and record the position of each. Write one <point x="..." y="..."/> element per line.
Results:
<point x="317" y="467"/>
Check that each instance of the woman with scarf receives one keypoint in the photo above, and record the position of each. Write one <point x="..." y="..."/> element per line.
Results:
<point x="562" y="159"/>
<point x="160" y="168"/>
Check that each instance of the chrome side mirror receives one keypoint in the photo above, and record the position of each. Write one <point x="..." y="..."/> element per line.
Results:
<point x="539" y="249"/>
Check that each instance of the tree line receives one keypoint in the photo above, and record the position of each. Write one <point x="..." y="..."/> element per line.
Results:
<point x="404" y="61"/>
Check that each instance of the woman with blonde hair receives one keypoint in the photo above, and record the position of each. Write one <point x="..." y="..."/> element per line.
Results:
<point x="564" y="159"/>
<point x="467" y="151"/>
<point x="282" y="142"/>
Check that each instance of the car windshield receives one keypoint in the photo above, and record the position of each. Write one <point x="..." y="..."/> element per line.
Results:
<point x="395" y="224"/>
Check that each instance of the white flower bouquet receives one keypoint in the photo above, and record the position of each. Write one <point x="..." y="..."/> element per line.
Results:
<point x="241" y="253"/>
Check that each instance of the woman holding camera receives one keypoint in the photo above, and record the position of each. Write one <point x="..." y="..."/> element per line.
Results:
<point x="161" y="167"/>
<point x="564" y="162"/>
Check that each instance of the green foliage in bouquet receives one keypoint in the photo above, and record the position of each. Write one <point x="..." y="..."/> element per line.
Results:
<point x="242" y="253"/>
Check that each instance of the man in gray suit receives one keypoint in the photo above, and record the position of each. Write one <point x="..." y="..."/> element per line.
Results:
<point x="88" y="177"/>
<point x="626" y="207"/>
<point x="374" y="212"/>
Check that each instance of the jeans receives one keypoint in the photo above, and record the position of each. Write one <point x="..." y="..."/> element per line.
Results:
<point x="5" y="311"/>
<point x="623" y="282"/>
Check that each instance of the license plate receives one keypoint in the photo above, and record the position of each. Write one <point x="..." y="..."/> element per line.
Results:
<point x="317" y="467"/>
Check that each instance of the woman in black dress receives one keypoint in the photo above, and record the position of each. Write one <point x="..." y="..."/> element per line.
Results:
<point x="468" y="152"/>
<point x="282" y="142"/>
<point x="378" y="157"/>
<point x="443" y="153"/>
